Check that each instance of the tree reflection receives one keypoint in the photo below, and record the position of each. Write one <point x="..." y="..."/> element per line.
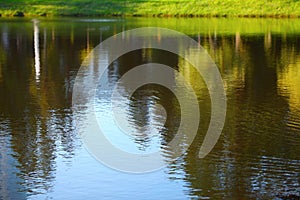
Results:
<point x="256" y="133"/>
<point x="36" y="41"/>
<point x="143" y="107"/>
<point x="256" y="154"/>
<point x="37" y="104"/>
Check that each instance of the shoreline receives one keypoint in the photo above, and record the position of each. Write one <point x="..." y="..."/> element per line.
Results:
<point x="20" y="14"/>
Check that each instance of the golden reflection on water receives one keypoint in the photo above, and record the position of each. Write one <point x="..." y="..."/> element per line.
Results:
<point x="289" y="83"/>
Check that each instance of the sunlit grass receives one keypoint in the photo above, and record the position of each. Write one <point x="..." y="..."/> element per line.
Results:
<point x="246" y="8"/>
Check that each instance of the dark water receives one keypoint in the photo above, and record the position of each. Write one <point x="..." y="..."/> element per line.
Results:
<point x="257" y="155"/>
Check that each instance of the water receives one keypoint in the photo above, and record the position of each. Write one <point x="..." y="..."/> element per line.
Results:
<point x="257" y="155"/>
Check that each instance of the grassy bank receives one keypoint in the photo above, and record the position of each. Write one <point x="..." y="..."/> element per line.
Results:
<point x="243" y="8"/>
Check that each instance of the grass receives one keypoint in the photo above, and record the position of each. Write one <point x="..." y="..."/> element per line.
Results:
<point x="183" y="8"/>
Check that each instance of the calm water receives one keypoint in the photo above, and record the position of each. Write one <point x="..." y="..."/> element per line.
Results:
<point x="257" y="155"/>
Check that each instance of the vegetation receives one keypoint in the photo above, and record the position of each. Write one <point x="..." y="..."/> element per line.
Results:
<point x="187" y="8"/>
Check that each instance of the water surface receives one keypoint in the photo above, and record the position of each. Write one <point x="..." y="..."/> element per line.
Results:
<point x="257" y="155"/>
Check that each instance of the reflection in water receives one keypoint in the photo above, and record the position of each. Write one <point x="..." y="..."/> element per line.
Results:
<point x="37" y="121"/>
<point x="257" y="133"/>
<point x="289" y="81"/>
<point x="257" y="155"/>
<point x="154" y="116"/>
<point x="150" y="102"/>
<point x="36" y="41"/>
<point x="9" y="181"/>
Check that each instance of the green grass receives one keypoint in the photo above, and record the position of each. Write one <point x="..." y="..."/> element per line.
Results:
<point x="244" y="8"/>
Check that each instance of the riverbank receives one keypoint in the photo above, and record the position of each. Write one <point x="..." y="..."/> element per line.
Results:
<point x="156" y="8"/>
